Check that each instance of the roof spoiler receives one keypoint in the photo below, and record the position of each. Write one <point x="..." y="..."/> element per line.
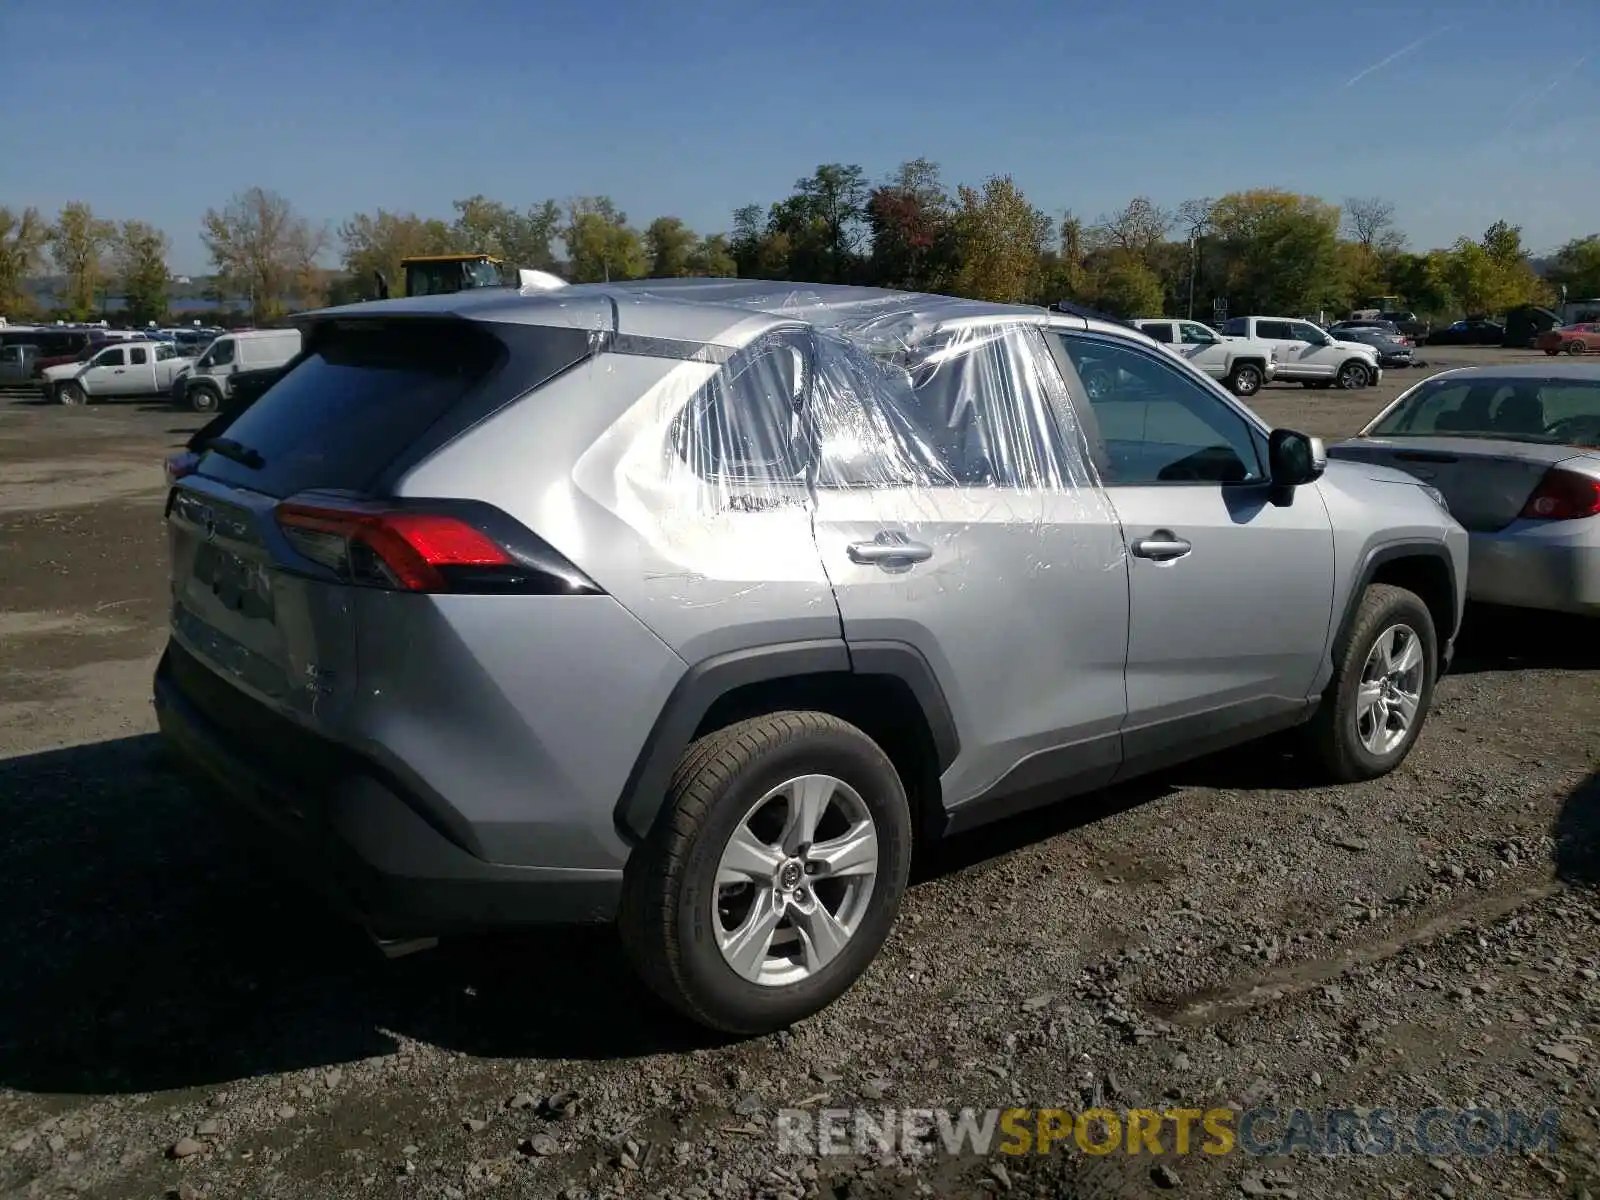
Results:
<point x="529" y="280"/>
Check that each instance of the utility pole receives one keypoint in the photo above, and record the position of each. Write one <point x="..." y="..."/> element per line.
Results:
<point x="1194" y="258"/>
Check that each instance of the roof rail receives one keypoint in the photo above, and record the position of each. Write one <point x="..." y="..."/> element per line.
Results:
<point x="1092" y="314"/>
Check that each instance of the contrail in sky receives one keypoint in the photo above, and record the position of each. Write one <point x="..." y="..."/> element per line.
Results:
<point x="1400" y="53"/>
<point x="1530" y="99"/>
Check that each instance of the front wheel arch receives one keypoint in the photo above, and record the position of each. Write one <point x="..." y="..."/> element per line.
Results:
<point x="1424" y="568"/>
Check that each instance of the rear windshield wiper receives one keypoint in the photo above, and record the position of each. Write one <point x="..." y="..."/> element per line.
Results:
<point x="236" y="451"/>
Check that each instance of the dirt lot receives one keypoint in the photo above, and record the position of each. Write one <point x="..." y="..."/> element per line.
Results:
<point x="1222" y="935"/>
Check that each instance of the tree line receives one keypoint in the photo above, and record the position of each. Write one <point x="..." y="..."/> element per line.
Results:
<point x="1262" y="250"/>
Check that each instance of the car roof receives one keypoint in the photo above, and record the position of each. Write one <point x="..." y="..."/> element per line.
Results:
<point x="1531" y="370"/>
<point x="726" y="311"/>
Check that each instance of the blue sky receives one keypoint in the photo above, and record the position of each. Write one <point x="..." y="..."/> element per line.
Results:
<point x="1489" y="110"/>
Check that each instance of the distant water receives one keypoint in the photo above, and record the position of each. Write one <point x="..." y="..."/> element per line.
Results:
<point x="47" y="300"/>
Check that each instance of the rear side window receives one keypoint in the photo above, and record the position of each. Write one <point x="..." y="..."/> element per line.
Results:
<point x="1160" y="331"/>
<point x="742" y="426"/>
<point x="1280" y="331"/>
<point x="364" y="393"/>
<point x="1236" y="327"/>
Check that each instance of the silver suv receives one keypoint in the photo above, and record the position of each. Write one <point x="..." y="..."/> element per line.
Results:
<point x="697" y="604"/>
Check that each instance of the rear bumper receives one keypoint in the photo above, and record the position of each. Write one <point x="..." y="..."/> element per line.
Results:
<point x="1538" y="564"/>
<point x="355" y="837"/>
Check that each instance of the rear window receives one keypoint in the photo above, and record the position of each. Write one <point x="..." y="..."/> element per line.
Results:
<point x="363" y="393"/>
<point x="1551" y="411"/>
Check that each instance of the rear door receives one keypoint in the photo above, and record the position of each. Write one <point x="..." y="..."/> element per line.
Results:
<point x="1296" y="356"/>
<point x="140" y="379"/>
<point x="957" y="514"/>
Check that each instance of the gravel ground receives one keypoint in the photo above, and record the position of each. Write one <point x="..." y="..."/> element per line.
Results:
<point x="177" y="1020"/>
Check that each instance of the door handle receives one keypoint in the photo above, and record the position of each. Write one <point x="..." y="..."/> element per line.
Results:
<point x="119" y="371"/>
<point x="889" y="549"/>
<point x="1161" y="546"/>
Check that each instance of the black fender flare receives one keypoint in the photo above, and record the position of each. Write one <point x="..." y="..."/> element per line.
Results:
<point x="707" y="681"/>
<point x="1376" y="558"/>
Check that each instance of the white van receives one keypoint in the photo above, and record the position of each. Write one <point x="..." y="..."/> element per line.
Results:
<point x="207" y="384"/>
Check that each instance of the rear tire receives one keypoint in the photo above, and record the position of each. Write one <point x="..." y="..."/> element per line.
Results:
<point x="727" y="851"/>
<point x="1246" y="379"/>
<point x="1356" y="733"/>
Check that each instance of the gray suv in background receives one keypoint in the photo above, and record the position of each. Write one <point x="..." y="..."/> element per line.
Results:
<point x="695" y="604"/>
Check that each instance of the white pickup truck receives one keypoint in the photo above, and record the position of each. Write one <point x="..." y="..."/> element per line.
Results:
<point x="122" y="371"/>
<point x="1244" y="365"/>
<point x="1309" y="355"/>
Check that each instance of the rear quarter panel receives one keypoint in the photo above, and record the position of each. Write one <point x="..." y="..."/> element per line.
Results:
<point x="586" y="463"/>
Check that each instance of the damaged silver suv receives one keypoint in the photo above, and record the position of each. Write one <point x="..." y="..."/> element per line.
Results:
<point x="696" y="604"/>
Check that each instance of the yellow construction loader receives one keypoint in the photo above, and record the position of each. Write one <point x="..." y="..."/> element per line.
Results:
<point x="441" y="274"/>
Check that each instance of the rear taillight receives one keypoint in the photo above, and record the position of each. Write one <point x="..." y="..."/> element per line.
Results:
<point x="469" y="548"/>
<point x="1563" y="496"/>
<point x="180" y="465"/>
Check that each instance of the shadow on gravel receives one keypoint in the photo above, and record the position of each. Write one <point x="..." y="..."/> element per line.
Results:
<point x="1577" y="835"/>
<point x="1511" y="639"/>
<point x="144" y="950"/>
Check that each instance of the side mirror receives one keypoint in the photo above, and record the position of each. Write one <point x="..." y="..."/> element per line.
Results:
<point x="1295" y="458"/>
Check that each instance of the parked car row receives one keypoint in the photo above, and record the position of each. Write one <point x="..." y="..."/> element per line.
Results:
<point x="198" y="379"/>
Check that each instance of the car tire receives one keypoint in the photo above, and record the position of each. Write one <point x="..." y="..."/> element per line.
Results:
<point x="1245" y="380"/>
<point x="203" y="398"/>
<point x="1352" y="735"/>
<point x="71" y="394"/>
<point x="1552" y="353"/>
<point x="1576" y="347"/>
<point x="735" y="791"/>
<point x="1354" y="375"/>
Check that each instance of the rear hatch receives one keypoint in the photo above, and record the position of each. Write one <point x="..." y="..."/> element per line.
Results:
<point x="263" y="602"/>
<point x="1486" y="483"/>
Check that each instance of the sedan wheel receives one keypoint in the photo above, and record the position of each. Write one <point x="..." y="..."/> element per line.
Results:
<point x="1576" y="347"/>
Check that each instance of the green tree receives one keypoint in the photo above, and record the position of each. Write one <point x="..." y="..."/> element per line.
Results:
<point x="999" y="239"/>
<point x="23" y="235"/>
<point x="1129" y="288"/>
<point x="1577" y="266"/>
<point x="714" y="258"/>
<point x="600" y="244"/>
<point x="263" y="249"/>
<point x="1278" y="251"/>
<point x="1493" y="274"/>
<point x="374" y="243"/>
<point x="520" y="239"/>
<point x="759" y="251"/>
<point x="669" y="245"/>
<point x="78" y="244"/>
<point x="139" y="254"/>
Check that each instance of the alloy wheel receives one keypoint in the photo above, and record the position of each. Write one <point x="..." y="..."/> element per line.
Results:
<point x="1391" y="690"/>
<point x="794" y="880"/>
